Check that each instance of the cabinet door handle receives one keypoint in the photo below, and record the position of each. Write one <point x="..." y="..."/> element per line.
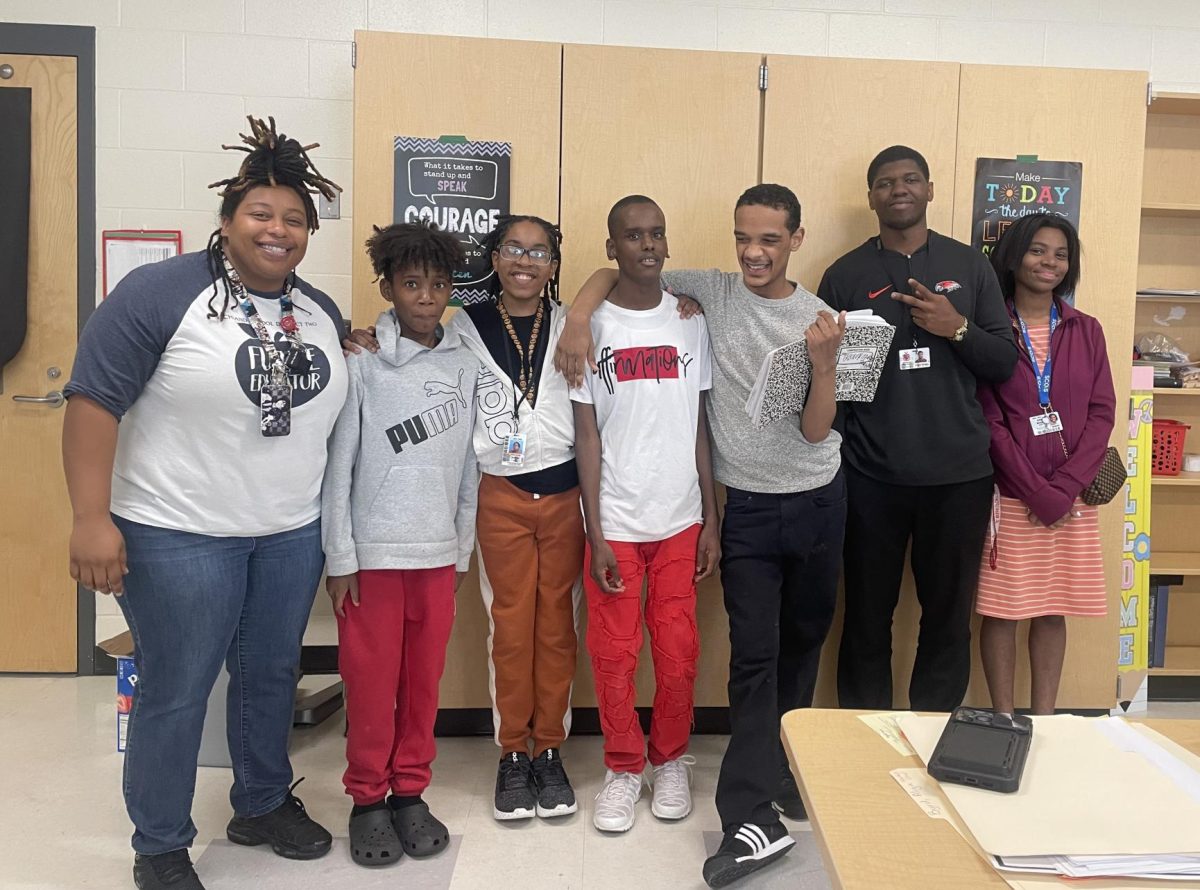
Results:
<point x="53" y="399"/>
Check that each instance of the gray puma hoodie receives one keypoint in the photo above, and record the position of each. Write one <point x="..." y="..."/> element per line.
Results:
<point x="401" y="483"/>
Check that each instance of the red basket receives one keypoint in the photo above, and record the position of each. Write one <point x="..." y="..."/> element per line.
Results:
<point x="1166" y="453"/>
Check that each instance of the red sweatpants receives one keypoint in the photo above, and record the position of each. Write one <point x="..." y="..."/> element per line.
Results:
<point x="614" y="640"/>
<point x="391" y="652"/>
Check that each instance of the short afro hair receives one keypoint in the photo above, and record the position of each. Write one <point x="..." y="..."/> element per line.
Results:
<point x="420" y="244"/>
<point x="891" y="155"/>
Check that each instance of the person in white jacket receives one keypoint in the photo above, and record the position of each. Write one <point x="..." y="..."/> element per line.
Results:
<point x="398" y="522"/>
<point x="530" y="526"/>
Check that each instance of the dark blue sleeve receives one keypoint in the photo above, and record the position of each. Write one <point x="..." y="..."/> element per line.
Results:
<point x="326" y="303"/>
<point x="123" y="340"/>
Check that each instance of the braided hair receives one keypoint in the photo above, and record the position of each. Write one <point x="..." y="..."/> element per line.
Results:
<point x="420" y="244"/>
<point x="271" y="159"/>
<point x="496" y="237"/>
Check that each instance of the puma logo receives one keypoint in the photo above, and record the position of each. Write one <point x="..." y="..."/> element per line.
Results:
<point x="435" y="388"/>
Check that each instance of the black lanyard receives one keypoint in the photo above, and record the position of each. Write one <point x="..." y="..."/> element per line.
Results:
<point x="909" y="328"/>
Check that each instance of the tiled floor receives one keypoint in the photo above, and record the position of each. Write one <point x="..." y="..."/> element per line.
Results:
<point x="62" y="823"/>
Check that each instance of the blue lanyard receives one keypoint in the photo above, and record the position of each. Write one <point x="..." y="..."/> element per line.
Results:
<point x="1043" y="376"/>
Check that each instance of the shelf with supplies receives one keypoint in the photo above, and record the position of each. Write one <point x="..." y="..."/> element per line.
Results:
<point x="1169" y="263"/>
<point x="1185" y="211"/>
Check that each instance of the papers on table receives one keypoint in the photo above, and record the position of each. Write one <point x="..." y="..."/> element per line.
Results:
<point x="1099" y="798"/>
<point x="782" y="384"/>
<point x="888" y="729"/>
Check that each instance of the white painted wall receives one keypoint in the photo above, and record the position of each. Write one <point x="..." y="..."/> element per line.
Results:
<point x="176" y="78"/>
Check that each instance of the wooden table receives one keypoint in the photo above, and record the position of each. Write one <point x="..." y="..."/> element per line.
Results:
<point x="872" y="835"/>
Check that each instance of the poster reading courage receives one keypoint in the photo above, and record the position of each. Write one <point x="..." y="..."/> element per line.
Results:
<point x="460" y="186"/>
<point x="1007" y="189"/>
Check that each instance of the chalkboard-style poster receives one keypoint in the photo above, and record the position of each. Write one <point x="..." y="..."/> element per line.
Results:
<point x="1007" y="189"/>
<point x="460" y="186"/>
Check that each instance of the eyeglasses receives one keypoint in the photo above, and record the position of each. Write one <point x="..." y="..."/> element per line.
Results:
<point x="539" y="256"/>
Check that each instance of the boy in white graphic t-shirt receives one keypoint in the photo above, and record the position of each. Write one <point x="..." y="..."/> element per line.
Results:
<point x="649" y="504"/>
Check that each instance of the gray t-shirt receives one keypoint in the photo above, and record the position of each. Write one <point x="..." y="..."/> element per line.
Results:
<point x="743" y="328"/>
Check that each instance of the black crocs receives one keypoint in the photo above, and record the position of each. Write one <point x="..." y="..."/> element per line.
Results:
<point x="373" y="839"/>
<point x="420" y="833"/>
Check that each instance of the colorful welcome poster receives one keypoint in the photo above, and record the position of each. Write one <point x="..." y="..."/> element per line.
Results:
<point x="1007" y="189"/>
<point x="1133" y="638"/>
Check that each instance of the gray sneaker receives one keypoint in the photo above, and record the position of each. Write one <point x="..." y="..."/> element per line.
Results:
<point x="516" y="796"/>
<point x="555" y="796"/>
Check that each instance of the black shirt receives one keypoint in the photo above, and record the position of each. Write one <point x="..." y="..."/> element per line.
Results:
<point x="925" y="427"/>
<point x="552" y="480"/>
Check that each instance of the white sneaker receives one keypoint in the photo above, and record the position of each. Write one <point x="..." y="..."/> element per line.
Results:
<point x="616" y="801"/>
<point x="672" y="785"/>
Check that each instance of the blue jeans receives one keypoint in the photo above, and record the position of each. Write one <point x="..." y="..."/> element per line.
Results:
<point x="192" y="602"/>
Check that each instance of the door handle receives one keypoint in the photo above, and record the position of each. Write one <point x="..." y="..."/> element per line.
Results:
<point x="53" y="399"/>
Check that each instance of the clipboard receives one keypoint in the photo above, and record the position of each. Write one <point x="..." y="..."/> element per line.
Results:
<point x="124" y="250"/>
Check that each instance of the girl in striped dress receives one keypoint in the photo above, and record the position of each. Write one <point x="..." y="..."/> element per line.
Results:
<point x="1050" y="424"/>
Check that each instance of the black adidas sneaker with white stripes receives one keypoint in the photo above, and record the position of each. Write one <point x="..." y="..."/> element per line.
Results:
<point x="746" y="848"/>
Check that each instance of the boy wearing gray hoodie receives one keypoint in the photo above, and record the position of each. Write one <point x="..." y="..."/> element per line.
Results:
<point x="398" y="523"/>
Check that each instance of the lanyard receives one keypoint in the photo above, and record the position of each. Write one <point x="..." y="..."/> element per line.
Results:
<point x="526" y="354"/>
<point x="1043" y="376"/>
<point x="287" y="323"/>
<point x="879" y="253"/>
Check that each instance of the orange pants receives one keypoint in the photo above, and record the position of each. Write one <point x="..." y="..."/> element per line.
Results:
<point x="530" y="554"/>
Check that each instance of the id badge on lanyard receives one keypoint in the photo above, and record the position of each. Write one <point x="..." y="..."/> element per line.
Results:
<point x="514" y="451"/>
<point x="915" y="357"/>
<point x="275" y="407"/>
<point x="1049" y="421"/>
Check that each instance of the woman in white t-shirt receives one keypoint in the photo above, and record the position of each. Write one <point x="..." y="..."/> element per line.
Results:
<point x="203" y="393"/>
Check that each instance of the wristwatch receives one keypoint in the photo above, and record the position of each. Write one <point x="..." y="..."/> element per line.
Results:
<point x="958" y="335"/>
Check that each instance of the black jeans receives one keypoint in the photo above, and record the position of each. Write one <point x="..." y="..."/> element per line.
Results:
<point x="947" y="525"/>
<point x="779" y="569"/>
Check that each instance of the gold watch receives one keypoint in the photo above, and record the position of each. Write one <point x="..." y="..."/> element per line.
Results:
<point x="958" y="335"/>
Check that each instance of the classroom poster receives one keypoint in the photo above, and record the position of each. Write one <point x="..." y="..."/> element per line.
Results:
<point x="1007" y="189"/>
<point x="1133" y="638"/>
<point x="461" y="187"/>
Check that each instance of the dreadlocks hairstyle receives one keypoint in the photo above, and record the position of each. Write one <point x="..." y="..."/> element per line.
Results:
<point x="421" y="244"/>
<point x="496" y="237"/>
<point x="271" y="159"/>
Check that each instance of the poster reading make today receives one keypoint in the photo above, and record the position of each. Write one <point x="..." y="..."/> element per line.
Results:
<point x="1007" y="189"/>
<point x="460" y="186"/>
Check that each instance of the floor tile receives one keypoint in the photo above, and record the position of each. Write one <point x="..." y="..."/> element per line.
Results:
<point x="227" y="865"/>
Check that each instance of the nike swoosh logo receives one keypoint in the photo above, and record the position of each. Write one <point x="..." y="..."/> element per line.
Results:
<point x="874" y="294"/>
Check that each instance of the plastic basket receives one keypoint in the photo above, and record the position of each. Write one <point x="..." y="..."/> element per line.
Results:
<point x="1166" y="453"/>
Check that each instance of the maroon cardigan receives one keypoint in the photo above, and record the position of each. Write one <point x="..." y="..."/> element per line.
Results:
<point x="1033" y="468"/>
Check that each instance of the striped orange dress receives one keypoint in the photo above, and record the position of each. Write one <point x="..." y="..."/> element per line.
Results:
<point x="1041" y="571"/>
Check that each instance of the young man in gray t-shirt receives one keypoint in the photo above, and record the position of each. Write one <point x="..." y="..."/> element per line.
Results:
<point x="781" y="538"/>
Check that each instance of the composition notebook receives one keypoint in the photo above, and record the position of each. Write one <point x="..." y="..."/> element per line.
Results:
<point x="782" y="383"/>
